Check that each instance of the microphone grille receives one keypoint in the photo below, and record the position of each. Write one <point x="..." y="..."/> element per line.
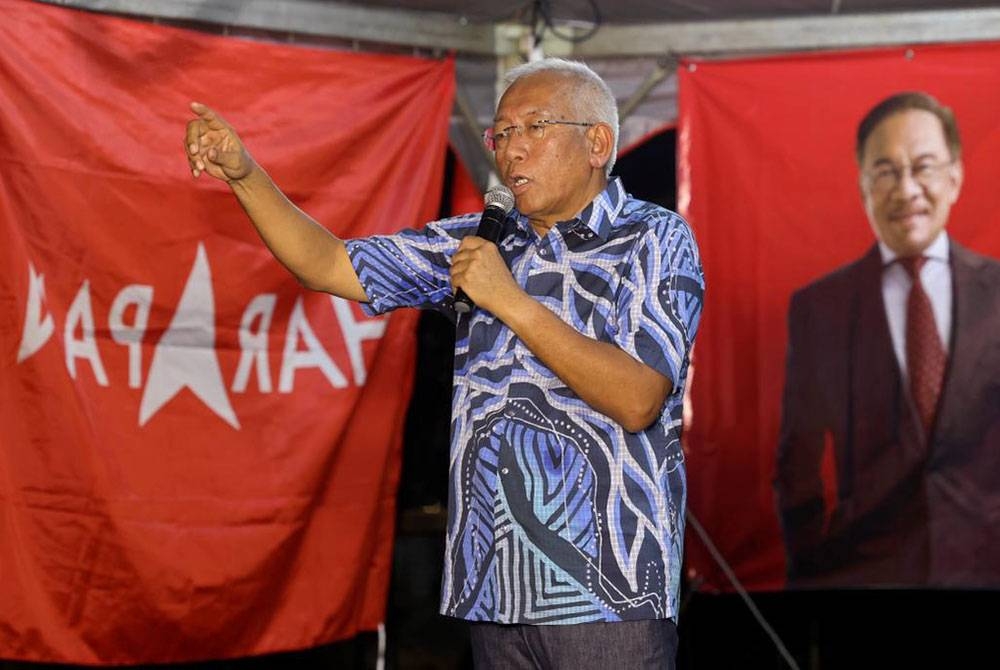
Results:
<point x="500" y="196"/>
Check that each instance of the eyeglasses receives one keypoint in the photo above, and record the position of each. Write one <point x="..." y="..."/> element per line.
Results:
<point x="497" y="139"/>
<point x="887" y="177"/>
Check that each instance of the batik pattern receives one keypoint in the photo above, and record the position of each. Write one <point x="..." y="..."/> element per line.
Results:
<point x="556" y="513"/>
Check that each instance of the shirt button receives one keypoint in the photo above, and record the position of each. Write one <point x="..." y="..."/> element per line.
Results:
<point x="505" y="471"/>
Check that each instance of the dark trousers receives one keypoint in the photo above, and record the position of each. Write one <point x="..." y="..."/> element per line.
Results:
<point x="636" y="645"/>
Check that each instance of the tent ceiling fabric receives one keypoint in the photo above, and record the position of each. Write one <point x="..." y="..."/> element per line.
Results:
<point x="645" y="11"/>
<point x="633" y="44"/>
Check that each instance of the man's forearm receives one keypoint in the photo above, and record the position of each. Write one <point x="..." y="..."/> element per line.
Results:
<point x="603" y="375"/>
<point x="316" y="257"/>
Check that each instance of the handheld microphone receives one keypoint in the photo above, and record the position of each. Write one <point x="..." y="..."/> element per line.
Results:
<point x="499" y="203"/>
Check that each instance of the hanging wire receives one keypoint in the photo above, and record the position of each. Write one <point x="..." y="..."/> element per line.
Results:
<point x="543" y="8"/>
<point x="734" y="580"/>
<point x="537" y="23"/>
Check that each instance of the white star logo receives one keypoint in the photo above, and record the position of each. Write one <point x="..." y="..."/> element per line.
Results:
<point x="185" y="355"/>
<point x="37" y="328"/>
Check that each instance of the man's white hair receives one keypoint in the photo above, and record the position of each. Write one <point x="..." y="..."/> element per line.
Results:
<point x="592" y="101"/>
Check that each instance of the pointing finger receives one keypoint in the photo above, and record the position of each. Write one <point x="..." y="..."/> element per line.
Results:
<point x="209" y="115"/>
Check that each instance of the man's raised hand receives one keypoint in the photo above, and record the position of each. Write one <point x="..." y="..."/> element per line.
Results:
<point x="213" y="147"/>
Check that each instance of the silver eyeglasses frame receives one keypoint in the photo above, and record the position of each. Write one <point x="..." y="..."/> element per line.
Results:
<point x="886" y="177"/>
<point x="497" y="139"/>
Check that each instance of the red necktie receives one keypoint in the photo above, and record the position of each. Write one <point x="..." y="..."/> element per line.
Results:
<point x="925" y="356"/>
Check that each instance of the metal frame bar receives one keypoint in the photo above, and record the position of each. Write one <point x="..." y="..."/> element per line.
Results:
<point x="441" y="31"/>
<point x="430" y="30"/>
<point x="719" y="38"/>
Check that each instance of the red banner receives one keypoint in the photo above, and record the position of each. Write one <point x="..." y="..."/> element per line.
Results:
<point x="198" y="458"/>
<point x="769" y="181"/>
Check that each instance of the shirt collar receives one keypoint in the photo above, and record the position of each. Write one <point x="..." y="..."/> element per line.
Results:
<point x="938" y="250"/>
<point x="604" y="209"/>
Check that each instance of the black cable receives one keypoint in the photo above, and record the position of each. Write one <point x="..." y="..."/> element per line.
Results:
<point x="544" y="8"/>
<point x="537" y="27"/>
<point x="734" y="580"/>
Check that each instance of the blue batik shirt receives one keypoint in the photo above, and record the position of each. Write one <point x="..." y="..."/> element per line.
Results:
<point x="556" y="514"/>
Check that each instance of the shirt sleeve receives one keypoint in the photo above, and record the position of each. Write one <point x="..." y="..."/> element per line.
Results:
<point x="660" y="301"/>
<point x="409" y="268"/>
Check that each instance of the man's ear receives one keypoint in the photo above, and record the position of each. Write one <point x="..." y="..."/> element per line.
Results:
<point x="602" y="145"/>
<point x="956" y="174"/>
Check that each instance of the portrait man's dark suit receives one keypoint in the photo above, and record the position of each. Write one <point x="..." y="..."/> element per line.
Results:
<point x="908" y="510"/>
<point x="908" y="506"/>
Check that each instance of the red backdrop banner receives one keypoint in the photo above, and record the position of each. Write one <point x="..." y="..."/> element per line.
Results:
<point x="198" y="458"/>
<point x="768" y="179"/>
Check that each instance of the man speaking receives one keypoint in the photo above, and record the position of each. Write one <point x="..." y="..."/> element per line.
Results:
<point x="567" y="485"/>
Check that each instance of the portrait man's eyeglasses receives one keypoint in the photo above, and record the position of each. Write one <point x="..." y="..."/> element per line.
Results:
<point x="885" y="178"/>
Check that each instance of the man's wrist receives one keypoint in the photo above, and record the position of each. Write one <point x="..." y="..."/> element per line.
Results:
<point x="250" y="180"/>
